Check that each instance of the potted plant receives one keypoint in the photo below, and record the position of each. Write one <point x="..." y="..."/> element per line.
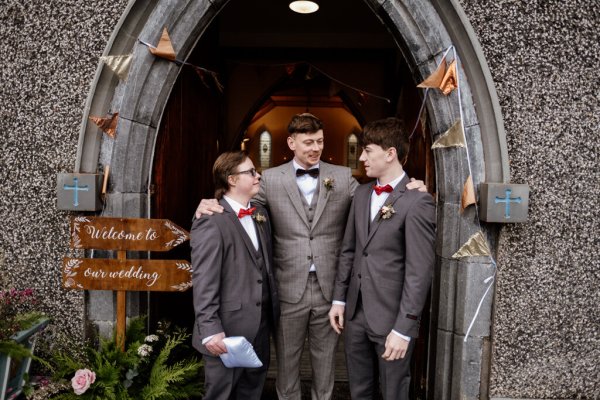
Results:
<point x="154" y="366"/>
<point x="18" y="329"/>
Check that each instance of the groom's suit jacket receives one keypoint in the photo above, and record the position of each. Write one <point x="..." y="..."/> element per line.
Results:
<point x="298" y="240"/>
<point x="227" y="276"/>
<point x="389" y="262"/>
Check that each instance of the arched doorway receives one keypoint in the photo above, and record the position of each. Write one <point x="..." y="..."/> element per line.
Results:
<point x="421" y="30"/>
<point x="200" y="121"/>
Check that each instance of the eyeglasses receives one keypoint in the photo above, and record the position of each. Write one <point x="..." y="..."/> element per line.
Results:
<point x="251" y="171"/>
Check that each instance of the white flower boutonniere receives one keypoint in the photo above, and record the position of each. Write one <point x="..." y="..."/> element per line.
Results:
<point x="328" y="183"/>
<point x="258" y="217"/>
<point x="387" y="211"/>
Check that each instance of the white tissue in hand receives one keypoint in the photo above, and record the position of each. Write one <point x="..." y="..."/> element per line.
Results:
<point x="240" y="353"/>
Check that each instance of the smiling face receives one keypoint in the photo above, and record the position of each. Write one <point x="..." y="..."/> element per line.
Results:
<point x="307" y="147"/>
<point x="242" y="182"/>
<point x="377" y="161"/>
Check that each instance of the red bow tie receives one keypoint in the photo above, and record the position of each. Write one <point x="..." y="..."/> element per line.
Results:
<point x="381" y="189"/>
<point x="245" y="212"/>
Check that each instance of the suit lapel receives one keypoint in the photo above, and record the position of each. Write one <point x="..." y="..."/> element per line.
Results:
<point x="392" y="198"/>
<point x="291" y="187"/>
<point x="323" y="191"/>
<point x="241" y="231"/>
<point x="362" y="207"/>
<point x="263" y="243"/>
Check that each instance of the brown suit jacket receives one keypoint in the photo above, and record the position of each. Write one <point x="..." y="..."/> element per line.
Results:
<point x="226" y="276"/>
<point x="389" y="263"/>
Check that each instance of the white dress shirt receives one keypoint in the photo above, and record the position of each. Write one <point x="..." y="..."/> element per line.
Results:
<point x="378" y="201"/>
<point x="246" y="221"/>
<point x="308" y="186"/>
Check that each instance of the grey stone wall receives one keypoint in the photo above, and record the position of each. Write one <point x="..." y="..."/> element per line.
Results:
<point x="48" y="54"/>
<point x="544" y="57"/>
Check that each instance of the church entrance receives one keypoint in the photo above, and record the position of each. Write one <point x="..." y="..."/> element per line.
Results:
<point x="271" y="67"/>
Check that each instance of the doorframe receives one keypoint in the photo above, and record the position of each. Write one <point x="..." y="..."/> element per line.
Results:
<point x="422" y="30"/>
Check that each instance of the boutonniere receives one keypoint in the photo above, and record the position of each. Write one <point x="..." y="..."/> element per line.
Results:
<point x="258" y="217"/>
<point x="387" y="211"/>
<point x="328" y="183"/>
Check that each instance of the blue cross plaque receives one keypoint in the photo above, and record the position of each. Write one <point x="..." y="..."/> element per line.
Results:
<point x="504" y="202"/>
<point x="79" y="192"/>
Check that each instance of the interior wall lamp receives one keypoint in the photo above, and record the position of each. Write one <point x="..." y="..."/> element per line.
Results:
<point x="304" y="6"/>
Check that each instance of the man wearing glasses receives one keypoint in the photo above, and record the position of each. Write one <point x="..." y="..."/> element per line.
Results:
<point x="234" y="291"/>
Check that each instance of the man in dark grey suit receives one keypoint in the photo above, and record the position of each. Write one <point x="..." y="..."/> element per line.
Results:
<point x="235" y="291"/>
<point x="308" y="201"/>
<point x="385" y="268"/>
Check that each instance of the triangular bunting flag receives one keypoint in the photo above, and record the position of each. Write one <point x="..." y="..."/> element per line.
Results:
<point x="442" y="78"/>
<point x="475" y="246"/>
<point x="119" y="64"/>
<point x="217" y="82"/>
<point x="363" y="98"/>
<point x="202" y="75"/>
<point x="468" y="194"/>
<point x="164" y="48"/>
<point x="435" y="79"/>
<point x="290" y="68"/>
<point x="108" y="125"/>
<point x="334" y="89"/>
<point x="449" y="83"/>
<point x="453" y="137"/>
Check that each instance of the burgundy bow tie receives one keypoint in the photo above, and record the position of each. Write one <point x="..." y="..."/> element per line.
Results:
<point x="245" y="212"/>
<point x="314" y="172"/>
<point x="381" y="189"/>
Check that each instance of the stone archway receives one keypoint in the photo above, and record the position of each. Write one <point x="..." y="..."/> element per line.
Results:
<point x="422" y="31"/>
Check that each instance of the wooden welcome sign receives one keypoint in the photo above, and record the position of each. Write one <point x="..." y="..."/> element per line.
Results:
<point x="122" y="274"/>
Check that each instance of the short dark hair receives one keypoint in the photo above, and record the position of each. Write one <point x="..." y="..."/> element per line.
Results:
<point x="387" y="132"/>
<point x="304" y="123"/>
<point x="224" y="166"/>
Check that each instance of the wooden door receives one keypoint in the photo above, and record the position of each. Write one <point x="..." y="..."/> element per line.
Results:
<point x="186" y="148"/>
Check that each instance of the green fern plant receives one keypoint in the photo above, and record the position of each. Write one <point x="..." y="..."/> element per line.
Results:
<point x="154" y="367"/>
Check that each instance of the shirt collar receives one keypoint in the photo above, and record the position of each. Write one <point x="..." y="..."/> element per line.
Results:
<point x="395" y="182"/>
<point x="235" y="205"/>
<point x="297" y="166"/>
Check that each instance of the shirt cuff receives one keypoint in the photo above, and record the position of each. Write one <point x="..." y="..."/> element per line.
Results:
<point x="207" y="339"/>
<point x="407" y="338"/>
<point x="338" y="303"/>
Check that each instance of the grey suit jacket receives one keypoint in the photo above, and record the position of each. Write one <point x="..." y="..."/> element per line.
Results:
<point x="227" y="280"/>
<point x="390" y="264"/>
<point x="295" y="238"/>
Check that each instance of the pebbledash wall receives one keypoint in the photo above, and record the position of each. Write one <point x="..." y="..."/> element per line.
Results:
<point x="543" y="57"/>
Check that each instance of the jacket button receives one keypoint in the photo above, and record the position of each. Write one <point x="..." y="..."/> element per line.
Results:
<point x="259" y="281"/>
<point x="365" y="254"/>
<point x="311" y="238"/>
<point x="308" y="257"/>
<point x="258" y="304"/>
<point x="359" y="276"/>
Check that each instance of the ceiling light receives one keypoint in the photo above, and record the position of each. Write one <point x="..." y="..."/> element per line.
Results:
<point x="304" y="6"/>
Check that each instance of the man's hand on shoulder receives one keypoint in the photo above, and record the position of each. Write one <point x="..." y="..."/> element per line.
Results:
<point x="208" y="207"/>
<point x="414" y="184"/>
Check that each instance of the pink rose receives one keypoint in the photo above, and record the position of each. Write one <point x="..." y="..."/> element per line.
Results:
<point x="82" y="380"/>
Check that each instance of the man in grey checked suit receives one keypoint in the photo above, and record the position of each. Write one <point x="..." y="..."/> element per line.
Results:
<point x="385" y="268"/>
<point x="308" y="201"/>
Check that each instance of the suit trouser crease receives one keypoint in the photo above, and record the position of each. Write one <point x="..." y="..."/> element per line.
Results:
<point x="308" y="316"/>
<point x="366" y="367"/>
